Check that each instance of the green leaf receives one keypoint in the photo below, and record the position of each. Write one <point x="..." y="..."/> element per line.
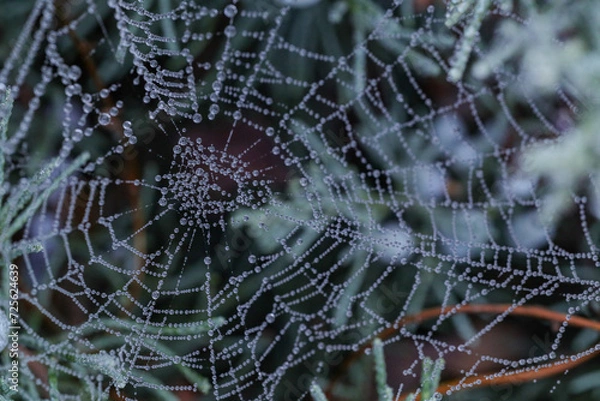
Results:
<point x="384" y="391"/>
<point x="23" y="217"/>
<point x="317" y="393"/>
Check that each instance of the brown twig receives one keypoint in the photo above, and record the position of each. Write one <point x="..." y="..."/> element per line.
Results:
<point x="514" y="377"/>
<point x="521" y="376"/>
<point x="131" y="169"/>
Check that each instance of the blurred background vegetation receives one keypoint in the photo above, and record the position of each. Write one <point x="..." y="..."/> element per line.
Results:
<point x="468" y="149"/>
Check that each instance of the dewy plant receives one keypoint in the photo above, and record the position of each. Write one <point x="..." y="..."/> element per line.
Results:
<point x="295" y="200"/>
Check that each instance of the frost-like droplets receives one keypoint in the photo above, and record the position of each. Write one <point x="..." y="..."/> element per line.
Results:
<point x="104" y="119"/>
<point x="205" y="181"/>
<point x="230" y="11"/>
<point x="4" y="325"/>
<point x="299" y="3"/>
<point x="74" y="72"/>
<point x="77" y="135"/>
<point x="326" y="187"/>
<point x="230" y="31"/>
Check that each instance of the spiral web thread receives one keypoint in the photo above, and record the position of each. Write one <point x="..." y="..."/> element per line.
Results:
<point x="295" y="198"/>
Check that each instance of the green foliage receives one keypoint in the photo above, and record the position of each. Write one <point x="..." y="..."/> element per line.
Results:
<point x="367" y="178"/>
<point x="456" y="11"/>
<point x="6" y="393"/>
<point x="25" y="198"/>
<point x="384" y="391"/>
<point x="430" y="378"/>
<point x="566" y="161"/>
<point x="18" y="204"/>
<point x="317" y="393"/>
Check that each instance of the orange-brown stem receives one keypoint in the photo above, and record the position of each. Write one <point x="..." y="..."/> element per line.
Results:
<point x="508" y="377"/>
<point x="513" y="377"/>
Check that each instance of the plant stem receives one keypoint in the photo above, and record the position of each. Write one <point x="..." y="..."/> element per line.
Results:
<point x="519" y="376"/>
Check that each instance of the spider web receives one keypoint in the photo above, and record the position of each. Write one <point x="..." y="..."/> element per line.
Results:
<point x="272" y="185"/>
